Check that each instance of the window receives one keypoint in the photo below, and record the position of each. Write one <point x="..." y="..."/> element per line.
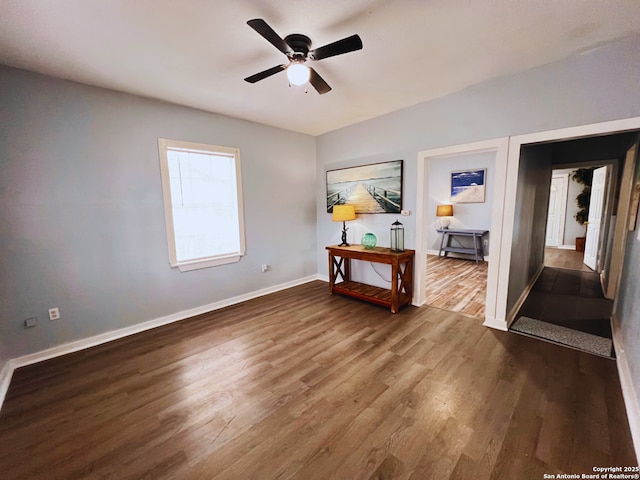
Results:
<point x="202" y="191"/>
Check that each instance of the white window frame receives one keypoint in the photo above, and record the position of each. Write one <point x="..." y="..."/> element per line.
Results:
<point x="164" y="145"/>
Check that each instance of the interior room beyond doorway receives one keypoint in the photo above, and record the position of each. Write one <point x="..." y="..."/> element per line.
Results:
<point x="456" y="275"/>
<point x="457" y="285"/>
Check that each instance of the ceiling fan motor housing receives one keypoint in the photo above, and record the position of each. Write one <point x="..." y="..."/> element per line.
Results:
<point x="300" y="44"/>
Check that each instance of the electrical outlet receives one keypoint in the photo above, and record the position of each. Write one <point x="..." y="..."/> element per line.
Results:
<point x="54" y="313"/>
<point x="31" y="322"/>
<point x="406" y="213"/>
<point x="265" y="268"/>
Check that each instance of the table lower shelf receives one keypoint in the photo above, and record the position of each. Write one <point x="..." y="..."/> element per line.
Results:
<point x="369" y="293"/>
<point x="468" y="251"/>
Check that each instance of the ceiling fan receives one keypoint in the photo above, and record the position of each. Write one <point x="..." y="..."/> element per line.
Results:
<point x="297" y="48"/>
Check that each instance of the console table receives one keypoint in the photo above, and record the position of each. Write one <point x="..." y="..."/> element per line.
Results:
<point x="448" y="233"/>
<point x="401" y="263"/>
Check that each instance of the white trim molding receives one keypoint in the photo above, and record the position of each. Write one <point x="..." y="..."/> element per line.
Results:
<point x="500" y="147"/>
<point x="71" y="347"/>
<point x="511" y="316"/>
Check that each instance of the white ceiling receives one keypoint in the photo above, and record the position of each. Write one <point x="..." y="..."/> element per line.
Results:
<point x="197" y="52"/>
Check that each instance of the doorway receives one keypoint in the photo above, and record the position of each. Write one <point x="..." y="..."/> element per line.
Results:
<point x="580" y="204"/>
<point x="426" y="236"/>
<point x="556" y="218"/>
<point x="566" y="303"/>
<point x="506" y="292"/>
<point x="456" y="263"/>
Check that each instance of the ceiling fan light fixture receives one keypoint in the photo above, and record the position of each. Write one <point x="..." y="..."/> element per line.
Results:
<point x="297" y="49"/>
<point x="298" y="74"/>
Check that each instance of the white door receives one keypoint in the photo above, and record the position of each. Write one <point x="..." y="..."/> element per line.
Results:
<point x="596" y="209"/>
<point x="557" y="210"/>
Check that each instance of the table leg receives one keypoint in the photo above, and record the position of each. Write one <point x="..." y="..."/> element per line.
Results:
<point x="332" y="274"/>
<point x="475" y="246"/>
<point x="394" y="287"/>
<point x="442" y="244"/>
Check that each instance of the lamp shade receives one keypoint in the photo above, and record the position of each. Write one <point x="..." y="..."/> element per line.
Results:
<point x="444" y="211"/>
<point x="343" y="213"/>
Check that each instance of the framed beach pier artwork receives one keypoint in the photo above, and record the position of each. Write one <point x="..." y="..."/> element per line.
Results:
<point x="374" y="188"/>
<point x="468" y="186"/>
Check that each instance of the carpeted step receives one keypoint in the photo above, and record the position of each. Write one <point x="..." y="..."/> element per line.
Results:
<point x="564" y="336"/>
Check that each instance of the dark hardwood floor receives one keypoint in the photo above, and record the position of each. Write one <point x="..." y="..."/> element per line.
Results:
<point x="300" y="384"/>
<point x="572" y="299"/>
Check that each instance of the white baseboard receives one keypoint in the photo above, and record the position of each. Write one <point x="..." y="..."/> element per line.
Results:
<point x="566" y="247"/>
<point x="14" y="363"/>
<point x="496" y="323"/>
<point x="523" y="296"/>
<point x="629" y="394"/>
<point x="5" y="379"/>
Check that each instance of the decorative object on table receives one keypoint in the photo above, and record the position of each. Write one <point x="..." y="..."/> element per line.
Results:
<point x="375" y="188"/>
<point x="343" y="213"/>
<point x="369" y="241"/>
<point x="397" y="237"/>
<point x="468" y="186"/>
<point x="443" y="212"/>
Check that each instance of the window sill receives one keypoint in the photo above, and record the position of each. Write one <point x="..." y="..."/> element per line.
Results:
<point x="208" y="262"/>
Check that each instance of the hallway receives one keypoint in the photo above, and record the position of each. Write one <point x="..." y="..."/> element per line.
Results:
<point x="568" y="307"/>
<point x="562" y="258"/>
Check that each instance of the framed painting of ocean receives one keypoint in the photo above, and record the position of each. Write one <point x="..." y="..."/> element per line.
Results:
<point x="468" y="186"/>
<point x="374" y="188"/>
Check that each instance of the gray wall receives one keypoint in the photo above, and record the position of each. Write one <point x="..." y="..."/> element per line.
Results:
<point x="592" y="87"/>
<point x="595" y="86"/>
<point x="475" y="216"/>
<point x="531" y="205"/>
<point x="82" y="214"/>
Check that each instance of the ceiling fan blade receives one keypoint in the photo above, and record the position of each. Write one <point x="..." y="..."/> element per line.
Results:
<point x="345" y="45"/>
<point x="270" y="35"/>
<point x="264" y="74"/>
<point x="318" y="82"/>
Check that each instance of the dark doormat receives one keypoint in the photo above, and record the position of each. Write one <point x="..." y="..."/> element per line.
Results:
<point x="568" y="337"/>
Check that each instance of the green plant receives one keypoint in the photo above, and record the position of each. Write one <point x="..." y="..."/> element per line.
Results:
<point x="584" y="176"/>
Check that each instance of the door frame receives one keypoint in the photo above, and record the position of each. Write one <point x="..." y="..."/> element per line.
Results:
<point x="563" y="207"/>
<point x="500" y="147"/>
<point x="513" y="164"/>
<point x="614" y="167"/>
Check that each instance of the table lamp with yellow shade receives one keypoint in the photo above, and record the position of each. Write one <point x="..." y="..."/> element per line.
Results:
<point x="343" y="213"/>
<point x="443" y="212"/>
